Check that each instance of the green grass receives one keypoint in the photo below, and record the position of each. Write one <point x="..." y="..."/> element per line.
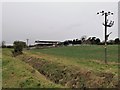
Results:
<point x="18" y="74"/>
<point x="88" y="57"/>
<point x="63" y="71"/>
<point x="83" y="58"/>
<point x="95" y="52"/>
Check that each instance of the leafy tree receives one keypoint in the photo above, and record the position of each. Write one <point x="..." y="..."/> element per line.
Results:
<point x="78" y="41"/>
<point x="117" y="41"/>
<point x="66" y="43"/>
<point x="18" y="47"/>
<point x="73" y="42"/>
<point x="70" y="41"/>
<point x="93" y="40"/>
<point x="88" y="41"/>
<point x="97" y="41"/>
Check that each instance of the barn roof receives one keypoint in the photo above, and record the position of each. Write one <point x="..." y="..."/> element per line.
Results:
<point x="47" y="41"/>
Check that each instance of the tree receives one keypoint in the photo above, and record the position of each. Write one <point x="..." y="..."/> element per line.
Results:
<point x="97" y="41"/>
<point x="66" y="43"/>
<point x="117" y="41"/>
<point x="70" y="41"/>
<point x="83" y="39"/>
<point x="88" y="41"/>
<point x="73" y="42"/>
<point x="18" y="47"/>
<point x="93" y="40"/>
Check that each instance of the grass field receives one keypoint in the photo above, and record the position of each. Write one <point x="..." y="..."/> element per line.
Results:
<point x="72" y="67"/>
<point x="83" y="52"/>
<point x="91" y="57"/>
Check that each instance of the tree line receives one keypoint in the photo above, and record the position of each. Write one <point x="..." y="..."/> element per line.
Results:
<point x="89" y="41"/>
<point x="83" y="40"/>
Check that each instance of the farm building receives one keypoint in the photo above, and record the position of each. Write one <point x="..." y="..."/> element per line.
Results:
<point x="40" y="44"/>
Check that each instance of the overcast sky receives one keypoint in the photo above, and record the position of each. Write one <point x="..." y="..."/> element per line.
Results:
<point x="55" y="20"/>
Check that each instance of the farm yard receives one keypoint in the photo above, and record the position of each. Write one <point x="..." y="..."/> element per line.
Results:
<point x="61" y="67"/>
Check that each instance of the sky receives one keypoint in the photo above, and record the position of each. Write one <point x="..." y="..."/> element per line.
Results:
<point x="57" y="21"/>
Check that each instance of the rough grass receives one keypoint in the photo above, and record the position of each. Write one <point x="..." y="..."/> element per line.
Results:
<point x="73" y="67"/>
<point x="70" y="75"/>
<point x="18" y="74"/>
<point x="63" y="55"/>
<point x="85" y="57"/>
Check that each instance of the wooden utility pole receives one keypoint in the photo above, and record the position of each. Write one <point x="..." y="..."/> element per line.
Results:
<point x="105" y="37"/>
<point x="106" y="24"/>
<point x="27" y="43"/>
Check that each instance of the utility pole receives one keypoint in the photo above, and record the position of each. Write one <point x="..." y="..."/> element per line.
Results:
<point x="106" y="25"/>
<point x="27" y="43"/>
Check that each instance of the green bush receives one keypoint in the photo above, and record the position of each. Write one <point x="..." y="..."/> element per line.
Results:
<point x="18" y="47"/>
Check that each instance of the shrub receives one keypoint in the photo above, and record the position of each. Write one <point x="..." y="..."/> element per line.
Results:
<point x="18" y="47"/>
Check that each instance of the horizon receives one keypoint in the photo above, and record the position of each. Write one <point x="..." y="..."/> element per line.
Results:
<point x="11" y="44"/>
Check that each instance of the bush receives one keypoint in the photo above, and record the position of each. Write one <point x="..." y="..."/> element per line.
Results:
<point x="18" y="47"/>
<point x="9" y="46"/>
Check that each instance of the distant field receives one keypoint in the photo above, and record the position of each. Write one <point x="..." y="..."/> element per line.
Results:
<point x="93" y="52"/>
